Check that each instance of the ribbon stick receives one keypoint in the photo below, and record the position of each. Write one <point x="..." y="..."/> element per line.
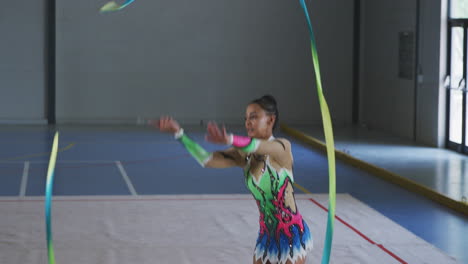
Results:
<point x="112" y="6"/>
<point x="48" y="199"/>
<point x="328" y="130"/>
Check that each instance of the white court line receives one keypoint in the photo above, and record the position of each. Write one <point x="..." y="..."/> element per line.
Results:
<point x="126" y="178"/>
<point x="61" y="161"/>
<point x="24" y="179"/>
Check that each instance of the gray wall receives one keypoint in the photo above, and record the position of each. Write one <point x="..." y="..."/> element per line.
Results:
<point x="201" y="59"/>
<point x="22" y="85"/>
<point x="431" y="93"/>
<point x="207" y="59"/>
<point x="387" y="101"/>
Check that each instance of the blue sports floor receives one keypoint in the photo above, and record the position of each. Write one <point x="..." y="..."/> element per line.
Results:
<point x="141" y="161"/>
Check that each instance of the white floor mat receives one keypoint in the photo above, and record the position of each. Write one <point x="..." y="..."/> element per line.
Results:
<point x="196" y="229"/>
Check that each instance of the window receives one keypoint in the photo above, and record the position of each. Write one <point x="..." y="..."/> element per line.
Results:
<point x="458" y="9"/>
<point x="456" y="84"/>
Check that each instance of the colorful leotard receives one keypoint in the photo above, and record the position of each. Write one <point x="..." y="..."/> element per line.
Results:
<point x="283" y="234"/>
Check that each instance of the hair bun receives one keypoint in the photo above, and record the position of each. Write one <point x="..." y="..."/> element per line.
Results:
<point x="269" y="98"/>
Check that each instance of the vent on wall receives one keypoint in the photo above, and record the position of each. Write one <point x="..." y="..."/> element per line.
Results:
<point x="406" y="55"/>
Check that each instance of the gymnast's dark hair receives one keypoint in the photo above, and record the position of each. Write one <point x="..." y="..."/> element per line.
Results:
<point x="268" y="103"/>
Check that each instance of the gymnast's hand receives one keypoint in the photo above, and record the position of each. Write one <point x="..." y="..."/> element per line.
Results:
<point x="166" y="124"/>
<point x="215" y="135"/>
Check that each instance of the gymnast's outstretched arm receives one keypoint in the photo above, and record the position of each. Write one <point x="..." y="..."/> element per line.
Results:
<point x="278" y="149"/>
<point x="220" y="159"/>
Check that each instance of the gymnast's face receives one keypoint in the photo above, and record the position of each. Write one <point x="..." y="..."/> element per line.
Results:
<point x="258" y="123"/>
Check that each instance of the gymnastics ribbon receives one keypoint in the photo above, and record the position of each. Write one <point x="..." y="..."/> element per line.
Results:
<point x="112" y="6"/>
<point x="48" y="199"/>
<point x="327" y="127"/>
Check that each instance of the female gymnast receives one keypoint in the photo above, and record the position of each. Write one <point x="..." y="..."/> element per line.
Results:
<point x="284" y="237"/>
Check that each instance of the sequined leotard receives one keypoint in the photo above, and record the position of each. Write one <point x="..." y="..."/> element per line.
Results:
<point x="284" y="235"/>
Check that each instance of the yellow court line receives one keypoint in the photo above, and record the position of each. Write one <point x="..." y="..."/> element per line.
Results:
<point x="69" y="146"/>
<point x="459" y="206"/>
<point x="304" y="190"/>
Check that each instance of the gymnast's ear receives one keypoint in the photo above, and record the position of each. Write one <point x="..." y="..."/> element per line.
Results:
<point x="271" y="119"/>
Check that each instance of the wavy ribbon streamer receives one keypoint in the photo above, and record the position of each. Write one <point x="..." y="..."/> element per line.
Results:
<point x="328" y="130"/>
<point x="112" y="6"/>
<point x="327" y="126"/>
<point x="48" y="199"/>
